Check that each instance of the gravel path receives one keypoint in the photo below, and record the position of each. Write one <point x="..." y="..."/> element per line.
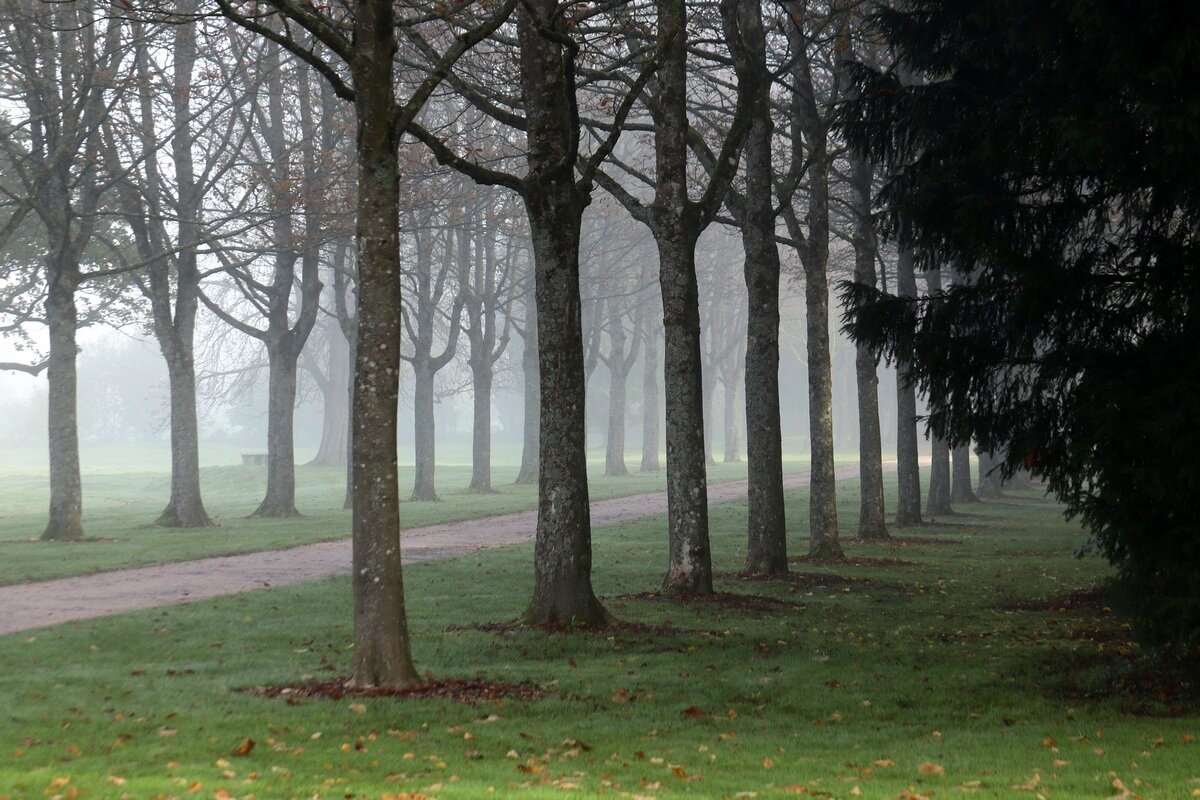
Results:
<point x="36" y="605"/>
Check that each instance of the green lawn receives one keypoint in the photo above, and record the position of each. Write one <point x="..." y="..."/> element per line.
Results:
<point x="935" y="678"/>
<point x="122" y="499"/>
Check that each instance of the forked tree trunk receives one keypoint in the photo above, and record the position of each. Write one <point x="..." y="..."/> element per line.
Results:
<point x="562" y="585"/>
<point x="960" y="484"/>
<point x="676" y="228"/>
<point x="66" y="492"/>
<point x="871" y="521"/>
<point x="650" y="408"/>
<point x="908" y="466"/>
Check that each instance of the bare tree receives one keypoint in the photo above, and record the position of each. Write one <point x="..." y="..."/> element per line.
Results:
<point x="381" y="654"/>
<point x="59" y="62"/>
<point x="486" y="281"/>
<point x="281" y="137"/>
<point x="676" y="222"/>
<point x="426" y="290"/>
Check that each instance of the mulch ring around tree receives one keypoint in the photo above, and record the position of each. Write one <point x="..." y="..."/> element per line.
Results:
<point x="757" y="603"/>
<point x="460" y="690"/>
<point x="1093" y="599"/>
<point x="803" y="580"/>
<point x="913" y="541"/>
<point x="1135" y="682"/>
<point x="853" y="561"/>
<point x="609" y="628"/>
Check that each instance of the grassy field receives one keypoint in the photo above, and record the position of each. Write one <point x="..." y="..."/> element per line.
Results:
<point x="969" y="667"/>
<point x="122" y="497"/>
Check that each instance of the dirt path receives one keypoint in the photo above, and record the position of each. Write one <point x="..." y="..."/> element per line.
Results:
<point x="36" y="605"/>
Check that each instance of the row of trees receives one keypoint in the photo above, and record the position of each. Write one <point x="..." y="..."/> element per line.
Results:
<point x="232" y="180"/>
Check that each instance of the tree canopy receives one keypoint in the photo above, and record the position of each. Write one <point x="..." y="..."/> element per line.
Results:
<point x="1043" y="150"/>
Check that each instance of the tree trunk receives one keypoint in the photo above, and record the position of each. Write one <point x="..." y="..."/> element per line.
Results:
<point x="424" y="434"/>
<point x="336" y="411"/>
<point x="650" y="412"/>
<point x="676" y="229"/>
<point x="562" y="589"/>
<point x="960" y="485"/>
<point x="732" y="442"/>
<point x="529" y="367"/>
<point x="990" y="483"/>
<point x="689" y="566"/>
<point x="908" y="467"/>
<point x="481" y="427"/>
<point x="185" y="509"/>
<point x="938" y="501"/>
<point x="381" y="649"/>
<point x="280" y="500"/>
<point x="66" y="492"/>
<point x="348" y="503"/>
<point x="871" y="518"/>
<point x="614" y="451"/>
<point x="766" y="526"/>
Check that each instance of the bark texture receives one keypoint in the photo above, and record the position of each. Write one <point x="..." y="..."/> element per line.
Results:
<point x="562" y="591"/>
<point x="960" y="484"/>
<point x="871" y="519"/>
<point x="381" y="647"/>
<point x="908" y="467"/>
<point x="766" y="526"/>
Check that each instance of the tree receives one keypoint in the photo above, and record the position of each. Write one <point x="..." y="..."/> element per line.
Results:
<point x="1052" y="169"/>
<point x="486" y="282"/>
<point x="60" y="61"/>
<point x="290" y="233"/>
<point x="555" y="198"/>
<point x="382" y="656"/>
<point x="162" y="201"/>
<point x="427" y="287"/>
<point x="872" y="524"/>
<point x="676" y="222"/>
<point x="810" y="110"/>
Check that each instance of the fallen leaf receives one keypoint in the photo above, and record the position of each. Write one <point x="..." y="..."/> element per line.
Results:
<point x="621" y="695"/>
<point x="694" y="712"/>
<point x="768" y="763"/>
<point x="358" y="708"/>
<point x="884" y="763"/>
<point x="1029" y="785"/>
<point x="1049" y="742"/>
<point x="929" y="768"/>
<point x="244" y="748"/>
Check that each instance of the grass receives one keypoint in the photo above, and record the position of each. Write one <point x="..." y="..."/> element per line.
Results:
<point x="122" y="498"/>
<point x="925" y="678"/>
